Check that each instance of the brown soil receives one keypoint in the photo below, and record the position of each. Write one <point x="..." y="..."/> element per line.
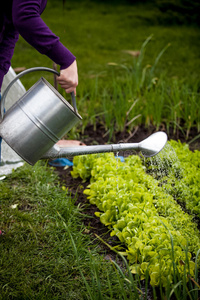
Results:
<point x="139" y="133"/>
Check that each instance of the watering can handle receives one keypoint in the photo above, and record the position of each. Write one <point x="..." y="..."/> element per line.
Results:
<point x="24" y="73"/>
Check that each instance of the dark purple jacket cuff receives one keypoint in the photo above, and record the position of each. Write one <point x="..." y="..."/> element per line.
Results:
<point x="61" y="55"/>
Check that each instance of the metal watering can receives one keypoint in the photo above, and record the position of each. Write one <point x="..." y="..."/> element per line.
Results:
<point x="41" y="117"/>
<point x="38" y="120"/>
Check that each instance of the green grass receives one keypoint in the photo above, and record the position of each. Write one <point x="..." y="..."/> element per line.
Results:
<point x="45" y="250"/>
<point x="98" y="33"/>
<point x="35" y="253"/>
<point x="101" y="33"/>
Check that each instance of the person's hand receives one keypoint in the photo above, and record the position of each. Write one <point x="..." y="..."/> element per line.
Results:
<point x="68" y="78"/>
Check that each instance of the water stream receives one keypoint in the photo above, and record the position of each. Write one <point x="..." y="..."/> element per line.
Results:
<point x="117" y="166"/>
<point x="117" y="177"/>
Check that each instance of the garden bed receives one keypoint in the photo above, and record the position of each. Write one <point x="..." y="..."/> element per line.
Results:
<point x="76" y="186"/>
<point x="98" y="136"/>
<point x="49" y="245"/>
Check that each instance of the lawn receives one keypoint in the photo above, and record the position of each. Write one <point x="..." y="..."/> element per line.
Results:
<point x="98" y="33"/>
<point x="45" y="250"/>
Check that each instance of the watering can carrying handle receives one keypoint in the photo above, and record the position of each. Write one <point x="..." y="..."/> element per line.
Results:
<point x="26" y="72"/>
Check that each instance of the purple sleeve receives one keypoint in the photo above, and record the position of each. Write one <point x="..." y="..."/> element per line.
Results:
<point x="7" y="46"/>
<point x="27" y="21"/>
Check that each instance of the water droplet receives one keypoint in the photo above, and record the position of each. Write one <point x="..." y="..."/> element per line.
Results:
<point x="117" y="166"/>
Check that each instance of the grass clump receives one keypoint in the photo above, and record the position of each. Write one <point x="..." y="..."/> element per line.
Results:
<point x="44" y="251"/>
<point x="35" y="253"/>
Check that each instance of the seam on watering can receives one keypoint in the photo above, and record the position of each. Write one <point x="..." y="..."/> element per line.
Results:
<point x="41" y="125"/>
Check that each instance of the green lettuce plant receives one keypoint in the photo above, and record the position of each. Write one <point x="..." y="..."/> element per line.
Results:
<point x="160" y="238"/>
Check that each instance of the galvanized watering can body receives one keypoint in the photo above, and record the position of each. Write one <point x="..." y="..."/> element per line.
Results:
<point x="38" y="120"/>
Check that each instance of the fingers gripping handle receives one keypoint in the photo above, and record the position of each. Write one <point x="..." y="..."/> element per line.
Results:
<point x="24" y="73"/>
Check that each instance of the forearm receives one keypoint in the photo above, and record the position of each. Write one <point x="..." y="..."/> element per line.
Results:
<point x="27" y="20"/>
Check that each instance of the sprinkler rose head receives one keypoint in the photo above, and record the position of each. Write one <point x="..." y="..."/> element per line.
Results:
<point x="153" y="144"/>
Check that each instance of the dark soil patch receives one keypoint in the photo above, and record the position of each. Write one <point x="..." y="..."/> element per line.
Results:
<point x="139" y="133"/>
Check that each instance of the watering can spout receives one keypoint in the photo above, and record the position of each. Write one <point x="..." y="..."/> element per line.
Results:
<point x="148" y="147"/>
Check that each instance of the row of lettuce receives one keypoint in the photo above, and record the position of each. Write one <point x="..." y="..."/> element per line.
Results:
<point x="178" y="170"/>
<point x="137" y="200"/>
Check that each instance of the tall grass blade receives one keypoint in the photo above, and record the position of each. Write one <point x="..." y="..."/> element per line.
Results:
<point x="196" y="267"/>
<point x="129" y="281"/>
<point x="194" y="139"/>
<point x="133" y="104"/>
<point x="158" y="57"/>
<point x="144" y="71"/>
<point x="174" y="288"/>
<point x="76" y="254"/>
<point x="133" y="119"/>
<point x="140" y="59"/>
